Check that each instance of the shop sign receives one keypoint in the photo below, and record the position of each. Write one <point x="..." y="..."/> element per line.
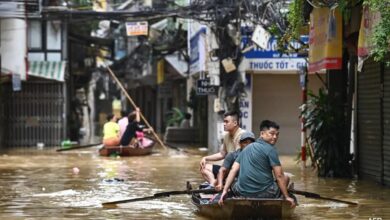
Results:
<point x="137" y="28"/>
<point x="274" y="64"/>
<point x="16" y="82"/>
<point x="261" y="37"/>
<point x="271" y="60"/>
<point x="325" y="43"/>
<point x="370" y="20"/>
<point x="246" y="105"/>
<point x="198" y="51"/>
<point x="203" y="87"/>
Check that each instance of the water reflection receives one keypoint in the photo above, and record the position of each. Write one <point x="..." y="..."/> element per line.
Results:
<point x="40" y="184"/>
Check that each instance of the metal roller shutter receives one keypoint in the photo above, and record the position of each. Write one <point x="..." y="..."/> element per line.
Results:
<point x="386" y="127"/>
<point x="2" y="116"/>
<point x="369" y="121"/>
<point x="35" y="114"/>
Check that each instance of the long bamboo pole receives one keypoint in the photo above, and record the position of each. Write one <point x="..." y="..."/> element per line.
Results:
<point x="135" y="106"/>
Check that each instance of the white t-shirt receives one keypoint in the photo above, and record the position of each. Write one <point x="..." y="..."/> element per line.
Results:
<point x="232" y="143"/>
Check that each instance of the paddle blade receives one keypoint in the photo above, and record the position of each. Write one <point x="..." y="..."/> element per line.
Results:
<point x="78" y="147"/>
<point x="109" y="205"/>
<point x="317" y="196"/>
<point x="114" y="203"/>
<point x="155" y="196"/>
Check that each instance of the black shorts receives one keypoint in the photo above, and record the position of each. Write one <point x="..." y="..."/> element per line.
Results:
<point x="216" y="170"/>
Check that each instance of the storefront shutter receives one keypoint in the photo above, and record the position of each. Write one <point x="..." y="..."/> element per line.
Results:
<point x="386" y="127"/>
<point x="35" y="114"/>
<point x="369" y="121"/>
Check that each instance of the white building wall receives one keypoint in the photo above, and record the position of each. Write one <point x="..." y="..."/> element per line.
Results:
<point x="13" y="48"/>
<point x="277" y="97"/>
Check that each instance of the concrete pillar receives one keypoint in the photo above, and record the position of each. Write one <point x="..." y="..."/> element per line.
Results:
<point x="215" y="127"/>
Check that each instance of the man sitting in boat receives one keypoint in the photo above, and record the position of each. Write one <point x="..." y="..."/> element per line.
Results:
<point x="111" y="131"/>
<point x="246" y="138"/>
<point x="230" y="143"/>
<point x="256" y="164"/>
<point x="129" y="136"/>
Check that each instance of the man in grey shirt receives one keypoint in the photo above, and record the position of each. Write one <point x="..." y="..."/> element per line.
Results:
<point x="256" y="164"/>
<point x="246" y="138"/>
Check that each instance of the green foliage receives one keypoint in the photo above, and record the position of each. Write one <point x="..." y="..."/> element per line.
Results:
<point x="295" y="18"/>
<point x="327" y="135"/>
<point x="298" y="158"/>
<point x="84" y="28"/>
<point x="175" y="117"/>
<point x="381" y="36"/>
<point x="81" y="4"/>
<point x="296" y="23"/>
<point x="345" y="7"/>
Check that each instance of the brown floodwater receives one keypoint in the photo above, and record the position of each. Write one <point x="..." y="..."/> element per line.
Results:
<point x="45" y="184"/>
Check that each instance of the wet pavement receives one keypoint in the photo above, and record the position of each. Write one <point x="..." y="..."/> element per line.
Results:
<point x="45" y="184"/>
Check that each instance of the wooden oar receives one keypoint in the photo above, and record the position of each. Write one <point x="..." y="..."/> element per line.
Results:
<point x="157" y="195"/>
<point x="317" y="196"/>
<point x="78" y="147"/>
<point x="170" y="146"/>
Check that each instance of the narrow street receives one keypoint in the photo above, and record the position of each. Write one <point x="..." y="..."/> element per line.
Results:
<point x="77" y="72"/>
<point x="45" y="184"/>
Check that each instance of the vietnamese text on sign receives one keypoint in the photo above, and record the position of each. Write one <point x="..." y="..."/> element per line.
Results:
<point x="204" y="87"/>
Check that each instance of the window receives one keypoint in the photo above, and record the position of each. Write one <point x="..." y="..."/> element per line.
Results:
<point x="53" y="35"/>
<point x="34" y="34"/>
<point x="53" y="56"/>
<point x="36" y="56"/>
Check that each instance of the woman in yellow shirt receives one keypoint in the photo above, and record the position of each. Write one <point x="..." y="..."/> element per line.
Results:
<point x="111" y="131"/>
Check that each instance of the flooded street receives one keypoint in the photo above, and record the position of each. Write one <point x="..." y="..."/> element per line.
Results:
<point x="42" y="184"/>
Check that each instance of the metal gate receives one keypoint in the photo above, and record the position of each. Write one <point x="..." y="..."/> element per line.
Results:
<point x="386" y="127"/>
<point x="370" y="121"/>
<point x="1" y="115"/>
<point x="34" y="115"/>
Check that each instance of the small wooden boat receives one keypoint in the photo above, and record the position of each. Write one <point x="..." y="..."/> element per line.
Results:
<point x="244" y="208"/>
<point x="146" y="148"/>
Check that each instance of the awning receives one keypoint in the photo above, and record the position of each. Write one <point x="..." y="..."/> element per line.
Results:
<point x="54" y="70"/>
<point x="179" y="65"/>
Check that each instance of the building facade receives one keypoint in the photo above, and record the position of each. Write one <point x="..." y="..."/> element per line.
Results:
<point x="34" y="95"/>
<point x="373" y="122"/>
<point x="274" y="93"/>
